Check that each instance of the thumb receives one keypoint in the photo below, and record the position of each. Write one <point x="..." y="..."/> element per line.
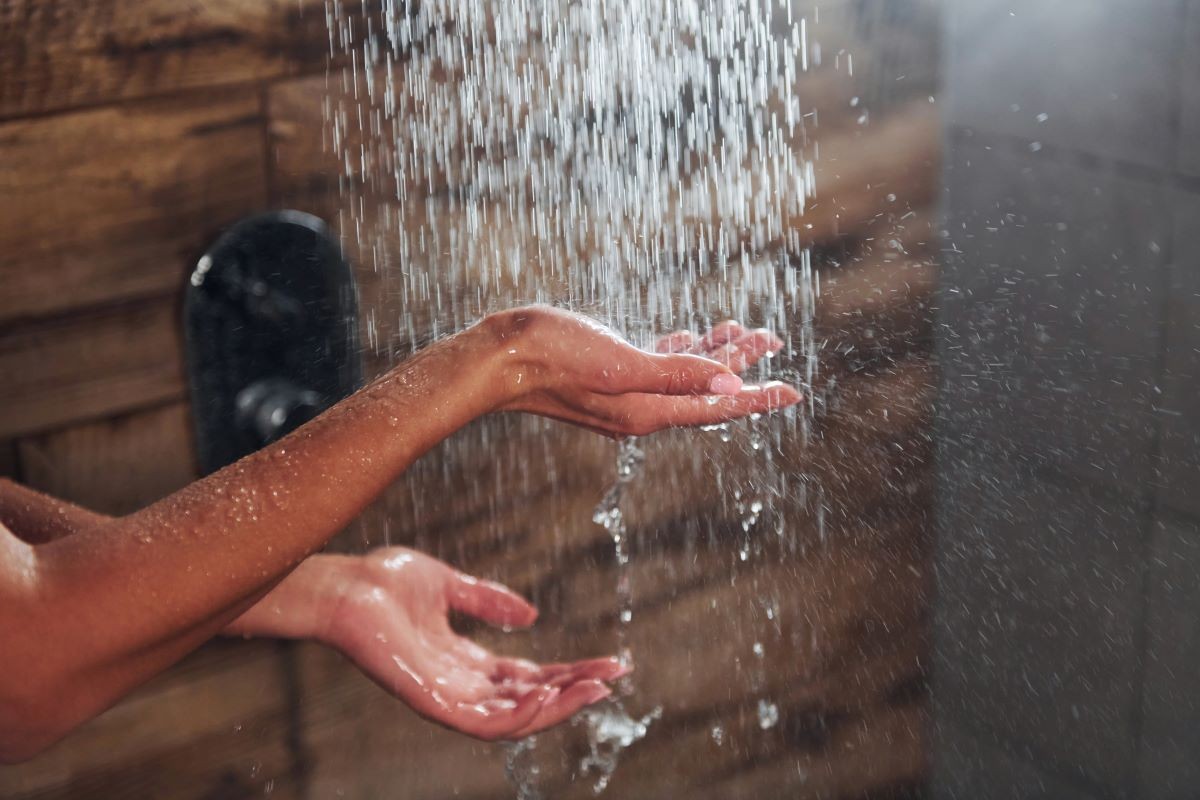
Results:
<point x="490" y="602"/>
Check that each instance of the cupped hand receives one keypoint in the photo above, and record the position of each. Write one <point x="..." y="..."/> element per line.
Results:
<point x="569" y="367"/>
<point x="391" y="620"/>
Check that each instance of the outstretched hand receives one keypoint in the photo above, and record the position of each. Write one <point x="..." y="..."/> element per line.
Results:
<point x="388" y="613"/>
<point x="569" y="367"/>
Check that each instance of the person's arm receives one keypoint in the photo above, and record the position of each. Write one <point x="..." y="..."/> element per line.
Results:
<point x="35" y="518"/>
<point x="388" y="611"/>
<point x="390" y="616"/>
<point x="86" y="617"/>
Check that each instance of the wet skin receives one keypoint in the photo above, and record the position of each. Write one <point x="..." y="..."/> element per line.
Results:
<point x="92" y="606"/>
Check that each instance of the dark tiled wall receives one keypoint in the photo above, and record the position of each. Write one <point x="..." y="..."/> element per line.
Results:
<point x="1068" y="612"/>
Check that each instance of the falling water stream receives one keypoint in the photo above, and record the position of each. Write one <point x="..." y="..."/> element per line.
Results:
<point x="648" y="163"/>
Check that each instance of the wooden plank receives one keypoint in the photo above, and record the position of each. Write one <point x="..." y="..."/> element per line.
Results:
<point x="214" y="725"/>
<point x="859" y="169"/>
<point x="849" y="630"/>
<point x="55" y="56"/>
<point x="366" y="744"/>
<point x="879" y="754"/>
<point x="119" y="202"/>
<point x="89" y="366"/>
<point x="525" y="518"/>
<point x="115" y="465"/>
<point x="305" y="172"/>
<point x="698" y="664"/>
<point x="9" y="464"/>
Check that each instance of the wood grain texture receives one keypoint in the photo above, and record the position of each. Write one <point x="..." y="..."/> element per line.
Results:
<point x="9" y="466"/>
<point x="89" y="366"/>
<point x="305" y="172"/>
<point x="119" y="198"/>
<point x="117" y="203"/>
<point x="367" y="745"/>
<point x="212" y="726"/>
<point x="115" y="465"/>
<point x="56" y="54"/>
<point x="843" y="657"/>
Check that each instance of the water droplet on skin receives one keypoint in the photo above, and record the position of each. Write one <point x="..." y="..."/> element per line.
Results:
<point x="551" y="175"/>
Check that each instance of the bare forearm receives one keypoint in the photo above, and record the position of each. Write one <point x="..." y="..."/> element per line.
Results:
<point x="85" y="617"/>
<point x="36" y="518"/>
<point x="220" y="539"/>
<point x="127" y="597"/>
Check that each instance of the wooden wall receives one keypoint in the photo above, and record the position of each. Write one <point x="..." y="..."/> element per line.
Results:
<point x="131" y="133"/>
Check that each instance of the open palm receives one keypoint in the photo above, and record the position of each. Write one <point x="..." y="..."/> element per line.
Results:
<point x="394" y="625"/>
<point x="571" y="368"/>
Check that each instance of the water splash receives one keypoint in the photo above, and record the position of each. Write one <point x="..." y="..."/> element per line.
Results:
<point x="521" y="768"/>
<point x="649" y="163"/>
<point x="610" y="729"/>
<point x="609" y="515"/>
<point x="768" y="714"/>
<point x="645" y="161"/>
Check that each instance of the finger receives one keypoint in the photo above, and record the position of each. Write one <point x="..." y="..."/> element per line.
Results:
<point x="655" y="413"/>
<point x="517" y="669"/>
<point x="677" y="342"/>
<point x="676" y="374"/>
<point x="564" y="706"/>
<point x="600" y="669"/>
<point x="514" y="677"/>
<point x="730" y="356"/>
<point x="499" y="718"/>
<point x="755" y="344"/>
<point x="520" y="671"/>
<point x="721" y="333"/>
<point x="490" y="602"/>
<point x="747" y="349"/>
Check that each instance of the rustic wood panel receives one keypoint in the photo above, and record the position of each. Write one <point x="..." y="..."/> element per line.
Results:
<point x="859" y="169"/>
<point x="846" y="669"/>
<point x="851" y="638"/>
<point x="118" y="202"/>
<point x="844" y="677"/>
<point x="9" y="466"/>
<point x="89" y="366"/>
<point x="213" y="726"/>
<point x="115" y="465"/>
<point x="365" y="744"/>
<point x="305" y="172"/>
<point x="56" y="55"/>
